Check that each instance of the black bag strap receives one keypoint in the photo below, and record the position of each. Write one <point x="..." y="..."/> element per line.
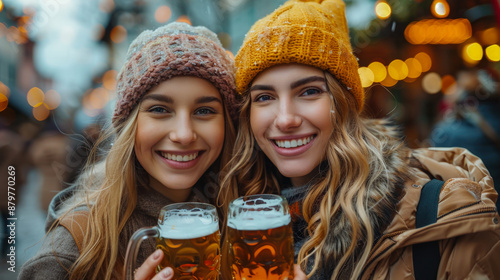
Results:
<point x="426" y="256"/>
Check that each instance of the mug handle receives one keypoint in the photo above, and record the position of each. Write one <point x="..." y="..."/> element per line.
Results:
<point x="133" y="249"/>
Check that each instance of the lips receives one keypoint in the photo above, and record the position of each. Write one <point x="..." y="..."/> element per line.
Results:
<point x="180" y="160"/>
<point x="293" y="146"/>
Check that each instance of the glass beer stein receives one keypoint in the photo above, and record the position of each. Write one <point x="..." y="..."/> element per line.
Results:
<point x="260" y="238"/>
<point x="188" y="234"/>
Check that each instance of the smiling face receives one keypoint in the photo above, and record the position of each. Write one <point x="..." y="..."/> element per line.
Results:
<point x="180" y="133"/>
<point x="290" y="118"/>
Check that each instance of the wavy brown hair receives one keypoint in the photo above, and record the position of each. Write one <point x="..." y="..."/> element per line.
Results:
<point x="108" y="189"/>
<point x="344" y="208"/>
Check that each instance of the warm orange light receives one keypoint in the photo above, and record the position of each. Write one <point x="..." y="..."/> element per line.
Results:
<point x="4" y="101"/>
<point x="118" y="34"/>
<point x="109" y="80"/>
<point x="1" y="5"/>
<point x="438" y="31"/>
<point x="98" y="98"/>
<point x="446" y="82"/>
<point x="389" y="81"/>
<point x="425" y="61"/>
<point x="4" y="89"/>
<point x="366" y="76"/>
<point x="440" y="8"/>
<point x="40" y="113"/>
<point x="382" y="9"/>
<point x="379" y="71"/>
<point x="185" y="19"/>
<point x="398" y="70"/>
<point x="473" y="51"/>
<point x="414" y="68"/>
<point x="493" y="53"/>
<point x="163" y="14"/>
<point x="35" y="97"/>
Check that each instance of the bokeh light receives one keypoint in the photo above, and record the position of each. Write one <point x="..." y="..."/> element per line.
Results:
<point x="1" y="5"/>
<point x="109" y="80"/>
<point x="438" y="31"/>
<point x="4" y="101"/>
<point x="185" y="19"/>
<point x="440" y="8"/>
<point x="446" y="82"/>
<point x="40" y="113"/>
<point x="163" y="14"/>
<point x="366" y="76"/>
<point x="52" y="99"/>
<point x="382" y="9"/>
<point x="425" y="61"/>
<point x="489" y="36"/>
<point x="414" y="68"/>
<point x="493" y="53"/>
<point x="98" y="98"/>
<point x="472" y="51"/>
<point x="431" y="83"/>
<point x="379" y="71"/>
<point x="118" y="34"/>
<point x="389" y="81"/>
<point x="397" y="69"/>
<point x="35" y="97"/>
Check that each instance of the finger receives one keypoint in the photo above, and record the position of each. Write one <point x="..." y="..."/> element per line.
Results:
<point x="165" y="274"/>
<point x="298" y="274"/>
<point x="147" y="270"/>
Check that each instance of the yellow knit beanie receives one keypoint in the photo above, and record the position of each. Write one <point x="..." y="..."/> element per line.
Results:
<point x="311" y="32"/>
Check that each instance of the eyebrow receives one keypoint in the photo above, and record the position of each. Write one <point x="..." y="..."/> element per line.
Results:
<point x="306" y="81"/>
<point x="293" y="85"/>
<point x="168" y="99"/>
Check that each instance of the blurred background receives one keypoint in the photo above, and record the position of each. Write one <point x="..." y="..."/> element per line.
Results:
<point x="420" y="62"/>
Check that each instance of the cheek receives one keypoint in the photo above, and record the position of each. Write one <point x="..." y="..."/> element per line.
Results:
<point x="260" y="118"/>
<point x="215" y="134"/>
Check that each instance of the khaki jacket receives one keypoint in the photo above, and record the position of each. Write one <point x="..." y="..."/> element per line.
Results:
<point x="467" y="228"/>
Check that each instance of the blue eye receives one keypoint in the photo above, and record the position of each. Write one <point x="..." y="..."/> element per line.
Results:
<point x="205" y="111"/>
<point x="158" y="109"/>
<point x="311" y="91"/>
<point x="262" y="98"/>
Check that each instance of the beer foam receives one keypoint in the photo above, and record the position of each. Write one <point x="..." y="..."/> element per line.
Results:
<point x="260" y="221"/>
<point x="187" y="227"/>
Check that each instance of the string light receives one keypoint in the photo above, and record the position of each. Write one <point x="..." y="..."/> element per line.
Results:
<point x="440" y="8"/>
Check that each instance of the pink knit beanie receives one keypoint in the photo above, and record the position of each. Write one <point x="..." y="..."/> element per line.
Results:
<point x="176" y="49"/>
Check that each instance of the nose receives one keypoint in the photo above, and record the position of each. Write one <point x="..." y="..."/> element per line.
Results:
<point x="183" y="131"/>
<point x="287" y="117"/>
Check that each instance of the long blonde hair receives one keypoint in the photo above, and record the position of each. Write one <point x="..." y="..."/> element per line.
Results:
<point x="108" y="188"/>
<point x="339" y="207"/>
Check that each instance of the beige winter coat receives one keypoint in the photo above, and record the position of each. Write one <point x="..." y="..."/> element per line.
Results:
<point x="467" y="226"/>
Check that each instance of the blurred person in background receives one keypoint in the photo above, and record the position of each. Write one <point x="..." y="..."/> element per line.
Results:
<point x="472" y="119"/>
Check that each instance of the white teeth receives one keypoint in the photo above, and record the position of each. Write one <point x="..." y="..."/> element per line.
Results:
<point x="293" y="143"/>
<point x="179" y="157"/>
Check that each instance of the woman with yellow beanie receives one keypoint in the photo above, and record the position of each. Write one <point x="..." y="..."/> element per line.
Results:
<point x="363" y="205"/>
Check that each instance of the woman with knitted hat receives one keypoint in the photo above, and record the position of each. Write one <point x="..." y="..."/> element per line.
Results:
<point x="172" y="130"/>
<point x="357" y="194"/>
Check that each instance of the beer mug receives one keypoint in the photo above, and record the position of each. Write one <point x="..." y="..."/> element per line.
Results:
<point x="188" y="234"/>
<point x="260" y="238"/>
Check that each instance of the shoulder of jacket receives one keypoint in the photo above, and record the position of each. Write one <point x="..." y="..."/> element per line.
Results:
<point x="76" y="223"/>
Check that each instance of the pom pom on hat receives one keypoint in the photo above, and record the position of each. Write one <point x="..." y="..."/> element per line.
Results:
<point x="176" y="49"/>
<point x="312" y="32"/>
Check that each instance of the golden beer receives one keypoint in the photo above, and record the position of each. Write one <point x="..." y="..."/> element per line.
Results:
<point x="261" y="240"/>
<point x="188" y="234"/>
<point x="194" y="257"/>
